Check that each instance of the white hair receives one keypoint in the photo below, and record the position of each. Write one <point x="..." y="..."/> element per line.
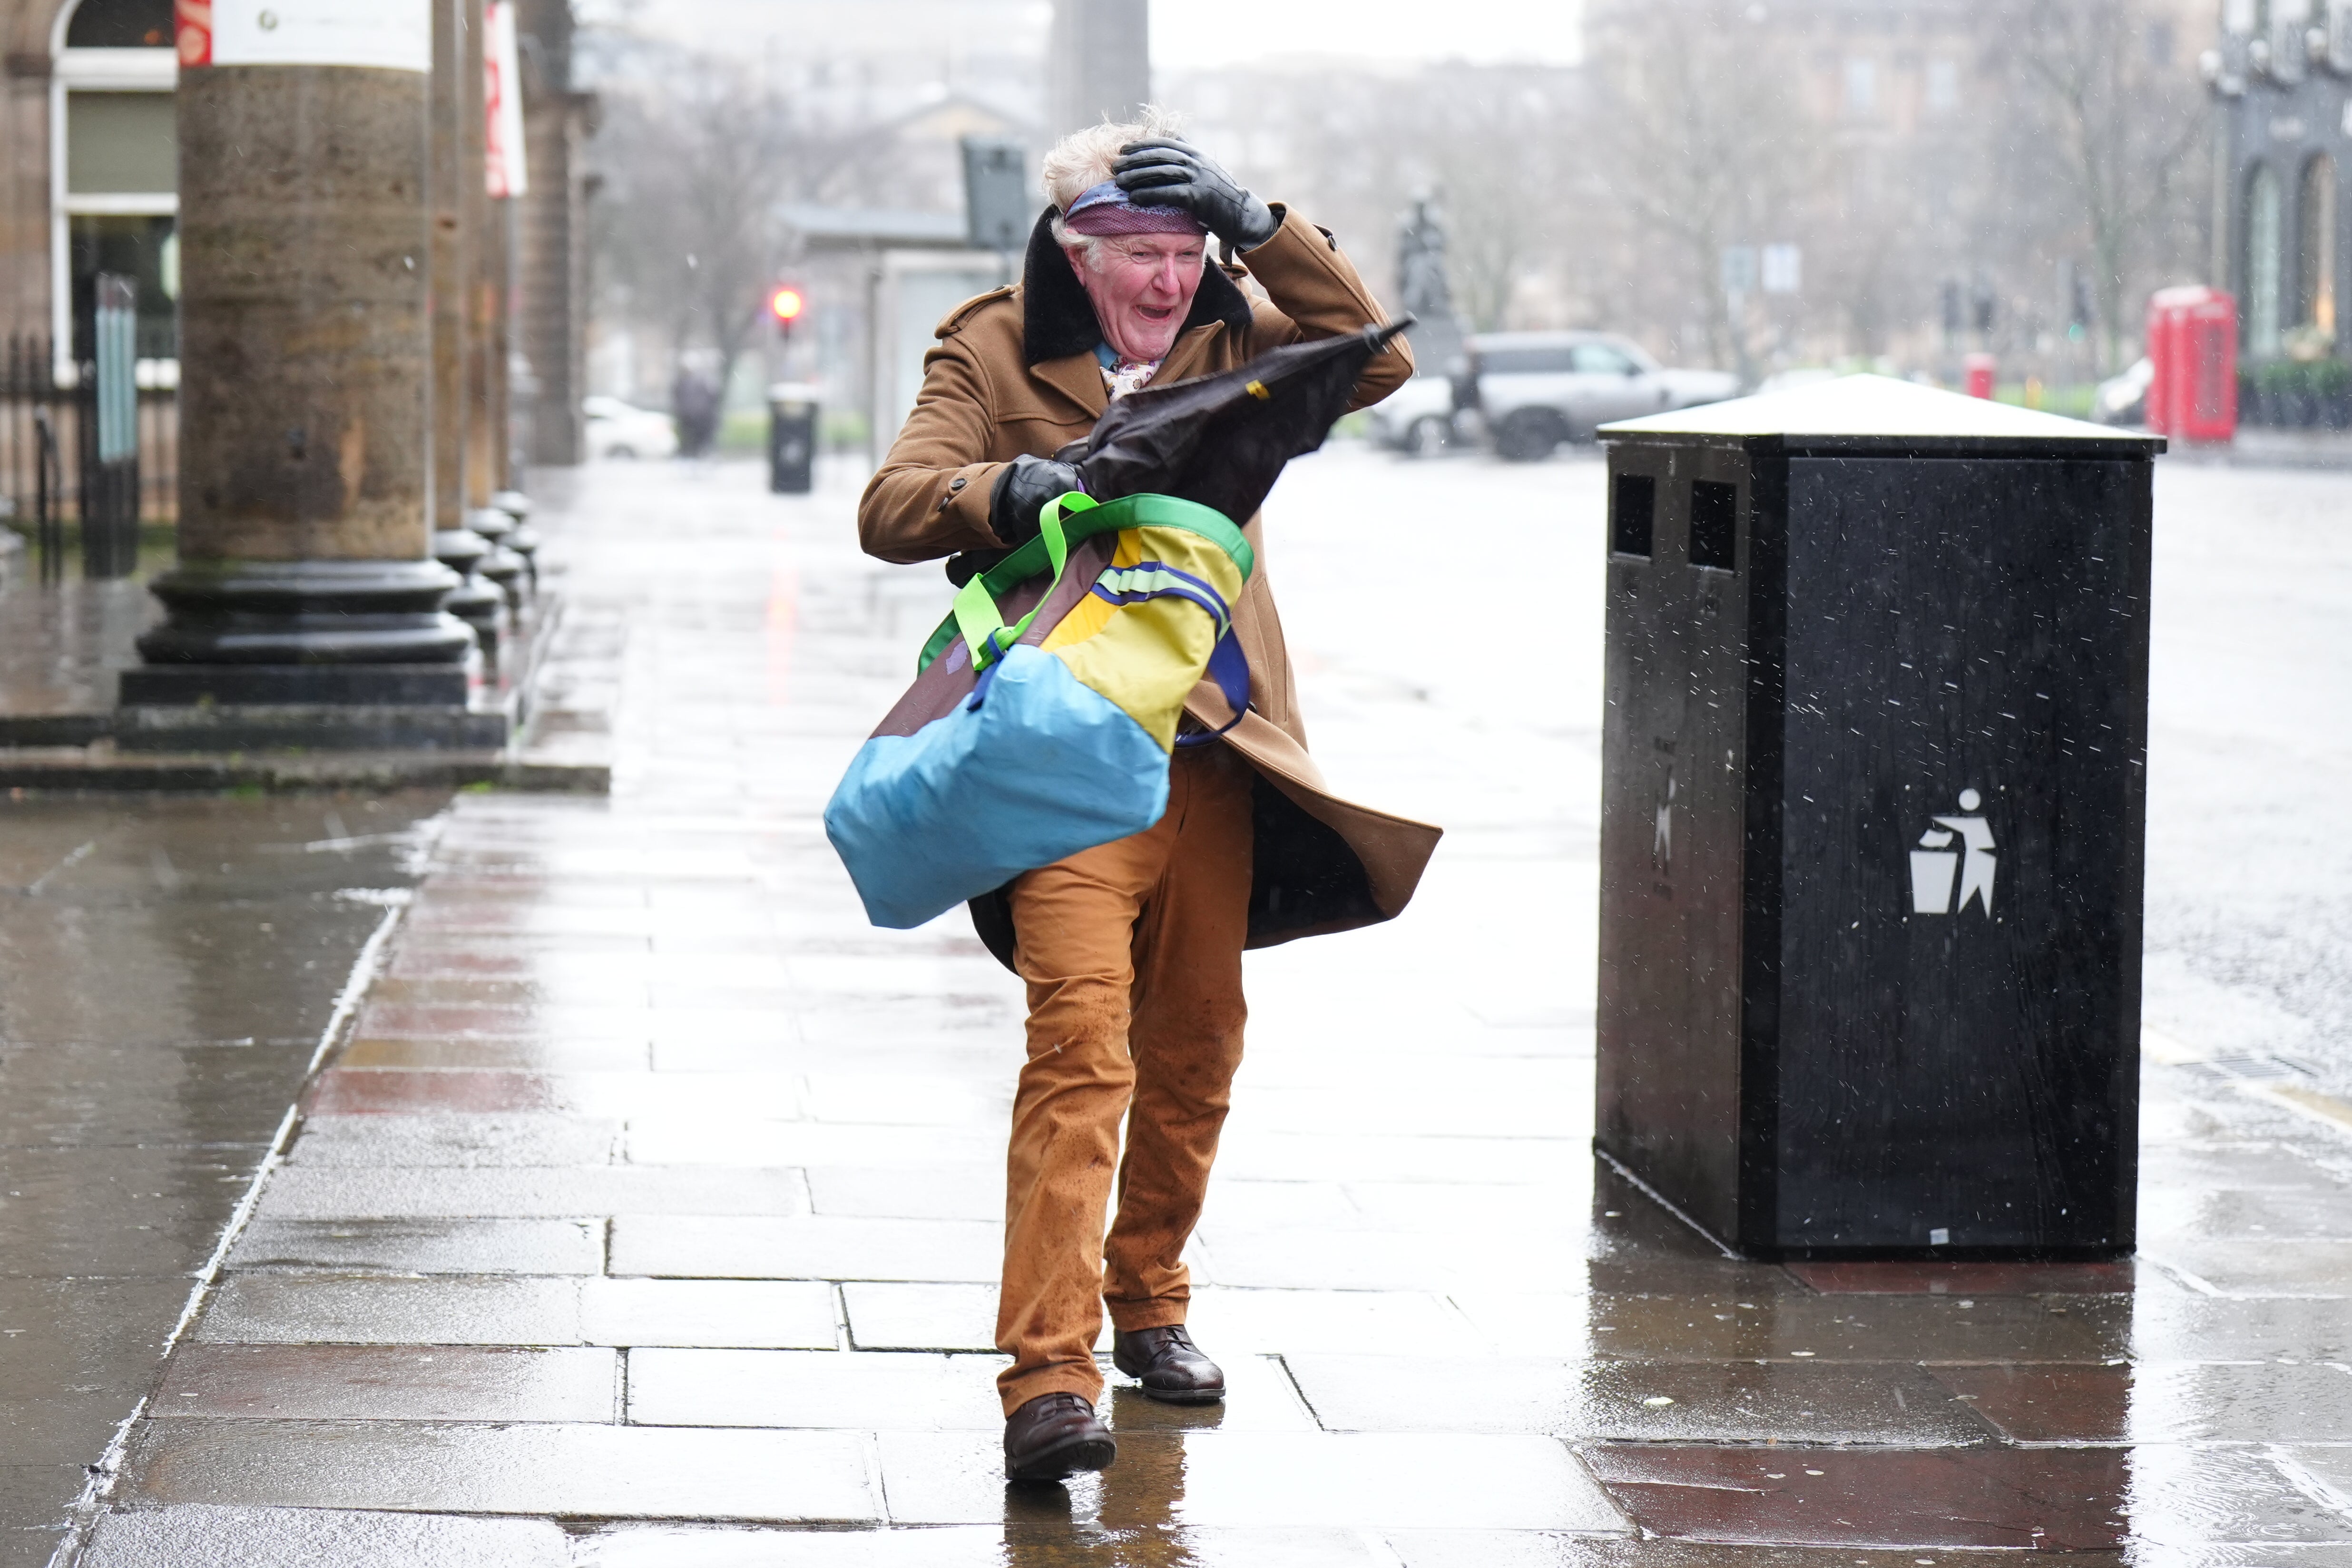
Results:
<point x="1082" y="160"/>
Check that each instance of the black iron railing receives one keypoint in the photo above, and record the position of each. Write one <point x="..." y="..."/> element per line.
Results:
<point x="54" y="474"/>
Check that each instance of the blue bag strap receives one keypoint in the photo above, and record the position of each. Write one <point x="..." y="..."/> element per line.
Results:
<point x="1229" y="668"/>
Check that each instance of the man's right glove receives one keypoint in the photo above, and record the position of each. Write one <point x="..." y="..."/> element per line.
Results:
<point x="1021" y="493"/>
<point x="1168" y="170"/>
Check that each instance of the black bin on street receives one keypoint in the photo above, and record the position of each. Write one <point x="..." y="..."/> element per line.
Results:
<point x="792" y="438"/>
<point x="1873" y="822"/>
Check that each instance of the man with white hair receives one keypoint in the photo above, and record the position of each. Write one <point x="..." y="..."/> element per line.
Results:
<point x="1131" y="951"/>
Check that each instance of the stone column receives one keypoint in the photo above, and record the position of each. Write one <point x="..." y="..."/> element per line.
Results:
<point x="474" y="198"/>
<point x="1100" y="62"/>
<point x="476" y="602"/>
<point x="304" y="575"/>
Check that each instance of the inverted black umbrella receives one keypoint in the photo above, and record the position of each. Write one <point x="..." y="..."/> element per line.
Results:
<point x="1221" y="440"/>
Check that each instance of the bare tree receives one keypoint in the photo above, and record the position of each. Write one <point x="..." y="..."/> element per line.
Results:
<point x="2123" y="119"/>
<point x="695" y="175"/>
<point x="1696" y="135"/>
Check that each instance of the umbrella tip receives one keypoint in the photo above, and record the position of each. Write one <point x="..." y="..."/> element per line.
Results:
<point x="1379" y="336"/>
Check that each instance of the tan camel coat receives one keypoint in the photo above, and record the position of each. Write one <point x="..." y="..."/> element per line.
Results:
<point x="1016" y="373"/>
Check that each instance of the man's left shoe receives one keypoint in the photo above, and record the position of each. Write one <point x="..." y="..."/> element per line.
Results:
<point x="1169" y="1365"/>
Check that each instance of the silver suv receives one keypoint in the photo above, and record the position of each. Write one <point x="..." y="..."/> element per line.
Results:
<point x="1535" y="390"/>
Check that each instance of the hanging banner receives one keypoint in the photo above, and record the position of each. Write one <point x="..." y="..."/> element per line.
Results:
<point x="383" y="35"/>
<point x="192" y="28"/>
<point x="502" y="101"/>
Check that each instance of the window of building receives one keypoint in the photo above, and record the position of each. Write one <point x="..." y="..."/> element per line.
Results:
<point x="120" y="25"/>
<point x="2316" y="248"/>
<point x="1943" y="85"/>
<point x="1862" y="87"/>
<point x="114" y="175"/>
<point x="2263" y="255"/>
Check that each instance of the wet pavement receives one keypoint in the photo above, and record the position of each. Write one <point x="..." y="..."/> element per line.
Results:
<point x="171" y="966"/>
<point x="646" y="1211"/>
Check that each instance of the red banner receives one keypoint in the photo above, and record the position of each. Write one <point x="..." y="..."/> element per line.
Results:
<point x="192" y="28"/>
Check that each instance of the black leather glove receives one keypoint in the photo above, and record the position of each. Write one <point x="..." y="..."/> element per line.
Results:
<point x="1022" y="491"/>
<point x="1169" y="172"/>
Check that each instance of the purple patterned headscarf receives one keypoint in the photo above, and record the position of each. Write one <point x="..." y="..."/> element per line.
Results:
<point x="1105" y="209"/>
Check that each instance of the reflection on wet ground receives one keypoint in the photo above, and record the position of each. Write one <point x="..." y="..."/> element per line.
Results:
<point x="169" y="967"/>
<point x="649" y="1213"/>
<point x="61" y="645"/>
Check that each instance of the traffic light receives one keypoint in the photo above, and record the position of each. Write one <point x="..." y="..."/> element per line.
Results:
<point x="786" y="304"/>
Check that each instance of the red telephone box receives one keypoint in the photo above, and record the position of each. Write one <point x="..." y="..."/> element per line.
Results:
<point x="2192" y="347"/>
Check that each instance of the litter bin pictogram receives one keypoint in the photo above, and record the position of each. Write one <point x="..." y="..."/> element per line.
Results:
<point x="1871" y="822"/>
<point x="1936" y="863"/>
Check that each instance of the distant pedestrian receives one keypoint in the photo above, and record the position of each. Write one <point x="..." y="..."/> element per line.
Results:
<point x="694" y="405"/>
<point x="1132" y="951"/>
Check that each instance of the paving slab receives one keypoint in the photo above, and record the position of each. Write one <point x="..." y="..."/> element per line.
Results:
<point x="343" y="1091"/>
<point x="2241" y="1266"/>
<point x="1219" y="1479"/>
<point x="388" y="1143"/>
<point x="2039" y="1499"/>
<point x="523" y="1055"/>
<point x="1541" y="1549"/>
<point x="884" y="1315"/>
<point x="725" y="1138"/>
<point x="1034" y="1546"/>
<point x="1637" y="1401"/>
<point x="328" y="1309"/>
<point x="440" y="1246"/>
<point x="383" y="1383"/>
<point x="207" y="1536"/>
<point x="2155" y="1402"/>
<point x="585" y="1471"/>
<point x="973" y="1191"/>
<point x="1786" y="1326"/>
<point x="818" y="1247"/>
<point x="759" y="1314"/>
<point x="313" y="1192"/>
<point x="917" y="1393"/>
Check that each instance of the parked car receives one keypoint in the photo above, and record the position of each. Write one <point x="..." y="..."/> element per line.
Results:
<point x="1534" y="390"/>
<point x="1417" y="418"/>
<point x="618" y="429"/>
<point x="2123" y="399"/>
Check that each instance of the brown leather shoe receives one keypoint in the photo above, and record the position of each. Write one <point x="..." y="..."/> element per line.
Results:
<point x="1053" y="1436"/>
<point x="1169" y="1365"/>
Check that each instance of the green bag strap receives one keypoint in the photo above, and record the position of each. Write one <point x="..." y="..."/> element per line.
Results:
<point x="975" y="616"/>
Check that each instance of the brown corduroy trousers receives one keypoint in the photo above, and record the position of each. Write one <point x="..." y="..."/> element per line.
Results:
<point x="1132" y="953"/>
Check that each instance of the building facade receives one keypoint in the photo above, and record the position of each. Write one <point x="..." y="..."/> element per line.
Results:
<point x="91" y="166"/>
<point x="2283" y="75"/>
<point x="89" y="184"/>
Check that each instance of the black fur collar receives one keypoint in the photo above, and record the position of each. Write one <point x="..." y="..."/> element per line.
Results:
<point x="1059" y="320"/>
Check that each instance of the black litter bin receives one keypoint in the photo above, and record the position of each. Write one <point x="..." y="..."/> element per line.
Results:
<point x="1871" y="822"/>
<point x="792" y="438"/>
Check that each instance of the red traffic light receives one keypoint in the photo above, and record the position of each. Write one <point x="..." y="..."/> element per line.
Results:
<point x="786" y="304"/>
